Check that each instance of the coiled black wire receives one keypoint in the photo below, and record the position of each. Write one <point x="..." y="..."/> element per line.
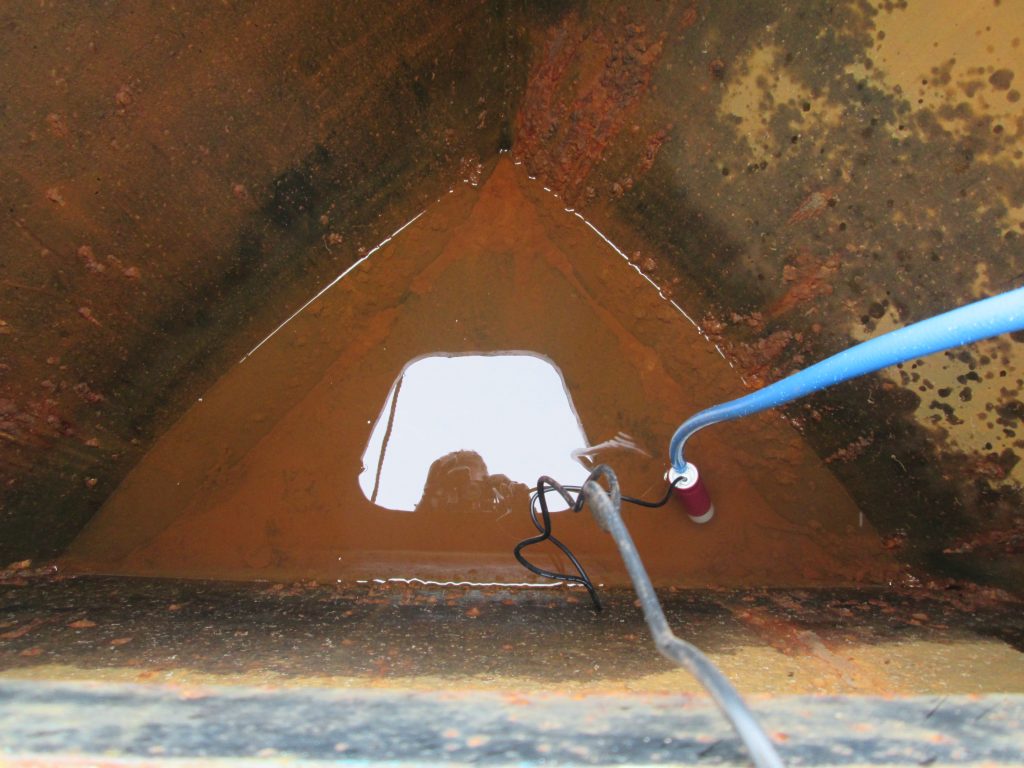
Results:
<point x="546" y="485"/>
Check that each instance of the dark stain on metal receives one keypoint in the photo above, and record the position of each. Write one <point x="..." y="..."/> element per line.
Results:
<point x="842" y="197"/>
<point x="215" y="206"/>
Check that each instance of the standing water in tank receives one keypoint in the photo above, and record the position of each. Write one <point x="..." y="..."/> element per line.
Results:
<point x="337" y="449"/>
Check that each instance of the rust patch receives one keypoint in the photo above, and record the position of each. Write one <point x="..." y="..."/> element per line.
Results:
<point x="651" y="149"/>
<point x="813" y="206"/>
<point x="579" y="97"/>
<point x="1007" y="541"/>
<point x="760" y="358"/>
<point x="57" y="125"/>
<point x="808" y="279"/>
<point x="689" y="17"/>
<point x="852" y="451"/>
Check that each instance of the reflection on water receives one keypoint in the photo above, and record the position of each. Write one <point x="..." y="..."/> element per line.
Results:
<point x="463" y="430"/>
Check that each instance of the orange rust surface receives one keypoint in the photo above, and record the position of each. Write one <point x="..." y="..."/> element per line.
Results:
<point x="561" y="133"/>
<point x="806" y="280"/>
<point x="259" y="479"/>
<point x="175" y="176"/>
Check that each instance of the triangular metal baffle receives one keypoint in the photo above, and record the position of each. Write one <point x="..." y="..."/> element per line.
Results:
<point x="292" y="465"/>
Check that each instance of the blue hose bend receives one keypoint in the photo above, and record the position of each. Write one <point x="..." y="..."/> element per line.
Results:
<point x="980" y="320"/>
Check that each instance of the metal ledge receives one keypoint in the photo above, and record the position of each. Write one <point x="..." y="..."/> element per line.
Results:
<point x="77" y="723"/>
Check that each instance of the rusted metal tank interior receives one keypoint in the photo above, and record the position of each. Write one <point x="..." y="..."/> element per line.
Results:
<point x="298" y="300"/>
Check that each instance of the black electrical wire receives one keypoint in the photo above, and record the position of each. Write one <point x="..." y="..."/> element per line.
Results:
<point x="606" y="506"/>
<point x="546" y="485"/>
<point x="544" y="526"/>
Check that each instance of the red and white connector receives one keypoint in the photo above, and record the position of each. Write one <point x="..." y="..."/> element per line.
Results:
<point x="692" y="493"/>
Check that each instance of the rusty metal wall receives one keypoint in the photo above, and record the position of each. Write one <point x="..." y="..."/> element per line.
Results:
<point x="820" y="173"/>
<point x="178" y="179"/>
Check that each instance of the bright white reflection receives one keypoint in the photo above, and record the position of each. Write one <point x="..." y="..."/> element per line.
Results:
<point x="510" y="409"/>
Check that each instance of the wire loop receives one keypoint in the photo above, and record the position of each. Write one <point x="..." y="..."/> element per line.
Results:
<point x="546" y="485"/>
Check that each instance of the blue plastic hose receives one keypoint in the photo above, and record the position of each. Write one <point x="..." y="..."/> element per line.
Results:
<point x="982" y="319"/>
